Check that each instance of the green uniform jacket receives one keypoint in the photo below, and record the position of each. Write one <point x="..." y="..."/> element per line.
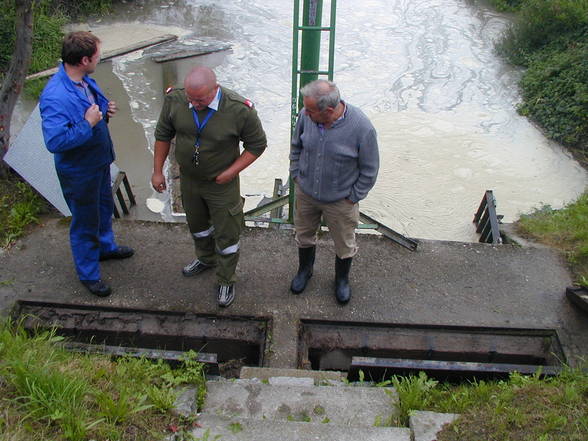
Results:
<point x="236" y="120"/>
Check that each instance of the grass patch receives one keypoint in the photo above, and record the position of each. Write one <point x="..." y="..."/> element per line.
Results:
<point x="521" y="408"/>
<point x="50" y="394"/>
<point x="20" y="206"/>
<point x="565" y="230"/>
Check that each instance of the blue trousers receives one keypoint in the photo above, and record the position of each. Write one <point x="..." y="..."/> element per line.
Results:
<point x="89" y="197"/>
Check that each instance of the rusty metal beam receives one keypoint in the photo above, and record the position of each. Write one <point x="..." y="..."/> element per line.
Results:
<point x="210" y="360"/>
<point x="392" y="365"/>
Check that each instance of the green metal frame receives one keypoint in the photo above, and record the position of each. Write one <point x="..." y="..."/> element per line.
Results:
<point x="308" y="69"/>
<point x="306" y="41"/>
<point x="304" y="70"/>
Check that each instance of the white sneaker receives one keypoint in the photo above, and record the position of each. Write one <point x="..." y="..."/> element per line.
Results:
<point x="195" y="267"/>
<point x="226" y="295"/>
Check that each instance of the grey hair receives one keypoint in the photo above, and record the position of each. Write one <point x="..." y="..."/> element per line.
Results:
<point x="324" y="92"/>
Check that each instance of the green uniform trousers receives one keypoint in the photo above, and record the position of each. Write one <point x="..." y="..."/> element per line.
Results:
<point x="215" y="217"/>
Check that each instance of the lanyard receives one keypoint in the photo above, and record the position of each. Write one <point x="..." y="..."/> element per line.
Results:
<point x="199" y="129"/>
<point x="200" y="126"/>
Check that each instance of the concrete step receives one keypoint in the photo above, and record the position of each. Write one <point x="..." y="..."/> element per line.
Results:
<point x="319" y="377"/>
<point x="426" y="425"/>
<point x="346" y="405"/>
<point x="246" y="429"/>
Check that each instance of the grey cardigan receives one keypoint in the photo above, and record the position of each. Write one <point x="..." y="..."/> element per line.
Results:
<point x="335" y="163"/>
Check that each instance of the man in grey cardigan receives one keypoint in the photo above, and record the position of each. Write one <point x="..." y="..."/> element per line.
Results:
<point x="334" y="162"/>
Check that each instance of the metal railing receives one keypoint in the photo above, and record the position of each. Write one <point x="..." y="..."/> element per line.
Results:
<point x="487" y="221"/>
<point x="121" y="178"/>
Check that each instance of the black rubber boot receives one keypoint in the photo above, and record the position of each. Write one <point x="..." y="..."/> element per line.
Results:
<point x="305" y="264"/>
<point x="342" y="289"/>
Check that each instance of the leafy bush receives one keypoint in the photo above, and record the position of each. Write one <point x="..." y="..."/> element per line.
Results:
<point x="540" y="22"/>
<point x="47" y="39"/>
<point x="49" y="18"/>
<point x="507" y="5"/>
<point x="550" y="38"/>
<point x="555" y="92"/>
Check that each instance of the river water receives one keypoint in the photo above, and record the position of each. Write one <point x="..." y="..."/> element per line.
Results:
<point x="425" y="73"/>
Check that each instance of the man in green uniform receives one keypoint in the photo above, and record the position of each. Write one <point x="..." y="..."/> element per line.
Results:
<point x="208" y="122"/>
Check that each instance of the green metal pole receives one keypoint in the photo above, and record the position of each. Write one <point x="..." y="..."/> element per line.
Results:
<point x="311" y="42"/>
<point x="294" y="101"/>
<point x="312" y="12"/>
<point x="332" y="39"/>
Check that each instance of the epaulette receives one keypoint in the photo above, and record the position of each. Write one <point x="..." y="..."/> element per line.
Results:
<point x="248" y="103"/>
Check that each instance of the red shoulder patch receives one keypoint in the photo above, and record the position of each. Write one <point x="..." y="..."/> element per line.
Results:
<point x="249" y="104"/>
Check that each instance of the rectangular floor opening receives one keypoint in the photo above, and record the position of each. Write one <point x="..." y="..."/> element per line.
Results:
<point x="236" y="341"/>
<point x="445" y="352"/>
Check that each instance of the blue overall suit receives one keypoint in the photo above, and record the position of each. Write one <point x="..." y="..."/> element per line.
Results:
<point x="83" y="155"/>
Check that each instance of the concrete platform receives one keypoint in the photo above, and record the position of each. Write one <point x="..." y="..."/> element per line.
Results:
<point x="443" y="283"/>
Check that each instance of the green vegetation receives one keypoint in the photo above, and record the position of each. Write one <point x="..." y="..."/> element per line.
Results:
<point x="47" y="393"/>
<point x="20" y="206"/>
<point x="550" y="39"/>
<point x="507" y="5"/>
<point x="235" y="427"/>
<point x="49" y="18"/>
<point x="413" y="393"/>
<point x="565" y="229"/>
<point x="522" y="408"/>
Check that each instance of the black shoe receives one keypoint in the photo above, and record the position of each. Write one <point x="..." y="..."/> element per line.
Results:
<point x="305" y="265"/>
<point x="97" y="287"/>
<point x="121" y="252"/>
<point x="342" y="288"/>
<point x="195" y="267"/>
<point x="226" y="295"/>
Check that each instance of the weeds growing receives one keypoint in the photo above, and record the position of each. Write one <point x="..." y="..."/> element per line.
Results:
<point x="521" y="408"/>
<point x="20" y="206"/>
<point x="565" y="229"/>
<point x="50" y="394"/>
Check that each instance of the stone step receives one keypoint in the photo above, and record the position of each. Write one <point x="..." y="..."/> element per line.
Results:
<point x="426" y="425"/>
<point x="246" y="429"/>
<point x="319" y="377"/>
<point x="347" y="405"/>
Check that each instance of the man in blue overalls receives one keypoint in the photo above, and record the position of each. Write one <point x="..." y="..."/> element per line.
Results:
<point x="75" y="113"/>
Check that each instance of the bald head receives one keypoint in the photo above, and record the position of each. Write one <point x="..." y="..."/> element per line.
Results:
<point x="200" y="77"/>
<point x="200" y="86"/>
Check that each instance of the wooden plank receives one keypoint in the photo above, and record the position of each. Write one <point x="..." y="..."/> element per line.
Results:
<point x="107" y="55"/>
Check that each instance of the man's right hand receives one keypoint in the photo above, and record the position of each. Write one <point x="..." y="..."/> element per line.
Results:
<point x="158" y="182"/>
<point x="93" y="115"/>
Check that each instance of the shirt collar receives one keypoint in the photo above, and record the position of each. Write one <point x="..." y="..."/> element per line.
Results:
<point x="322" y="126"/>
<point x="214" y="103"/>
